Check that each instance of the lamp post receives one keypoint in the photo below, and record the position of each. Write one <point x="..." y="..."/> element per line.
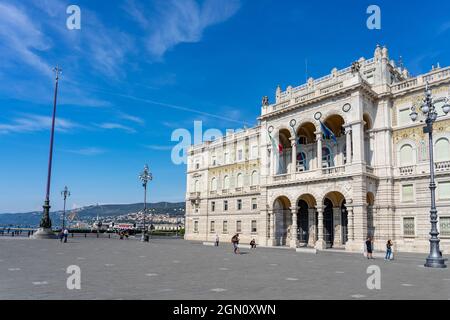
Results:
<point x="45" y="226"/>
<point x="65" y="193"/>
<point x="428" y="108"/>
<point x="145" y="177"/>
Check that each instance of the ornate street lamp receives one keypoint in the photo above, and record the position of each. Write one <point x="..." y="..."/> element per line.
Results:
<point x="65" y="193"/>
<point x="45" y="226"/>
<point x="428" y="108"/>
<point x="145" y="177"/>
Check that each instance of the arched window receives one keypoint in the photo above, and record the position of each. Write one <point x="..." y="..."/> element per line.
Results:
<point x="214" y="184"/>
<point x="442" y="150"/>
<point x="197" y="186"/>
<point x="406" y="155"/>
<point x="327" y="160"/>
<point x="239" y="180"/>
<point x="255" y="178"/>
<point x="226" y="183"/>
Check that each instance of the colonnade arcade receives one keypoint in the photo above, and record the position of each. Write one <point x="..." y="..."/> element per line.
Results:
<point x="310" y="223"/>
<point x="300" y="152"/>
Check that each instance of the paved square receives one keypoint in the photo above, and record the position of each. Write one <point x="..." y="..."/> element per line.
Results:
<point x="177" y="269"/>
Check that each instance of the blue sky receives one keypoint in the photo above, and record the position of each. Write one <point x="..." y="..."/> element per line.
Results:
<point x="137" y="70"/>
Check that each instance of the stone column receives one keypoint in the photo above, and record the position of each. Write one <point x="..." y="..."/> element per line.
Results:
<point x="320" y="244"/>
<point x="312" y="227"/>
<point x="294" y="155"/>
<point x="294" y="227"/>
<point x="337" y="225"/>
<point x="351" y="233"/>
<point x="348" y="144"/>
<point x="359" y="226"/>
<point x="358" y="143"/>
<point x="272" y="228"/>
<point x="319" y="150"/>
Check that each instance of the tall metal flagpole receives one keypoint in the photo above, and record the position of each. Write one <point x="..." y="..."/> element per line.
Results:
<point x="45" y="226"/>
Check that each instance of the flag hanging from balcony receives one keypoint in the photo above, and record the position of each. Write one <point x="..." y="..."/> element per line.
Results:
<point x="278" y="147"/>
<point x="327" y="133"/>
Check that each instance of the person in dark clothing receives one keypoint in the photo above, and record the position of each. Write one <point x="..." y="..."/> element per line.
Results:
<point x="388" y="250"/>
<point x="235" y="242"/>
<point x="253" y="244"/>
<point x="369" y="248"/>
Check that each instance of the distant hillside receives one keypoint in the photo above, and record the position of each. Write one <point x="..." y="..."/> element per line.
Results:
<point x="91" y="212"/>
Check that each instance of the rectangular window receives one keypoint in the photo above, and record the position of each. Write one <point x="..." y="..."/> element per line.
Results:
<point x="239" y="155"/>
<point x="254" y="152"/>
<point x="214" y="161"/>
<point x="409" y="228"/>
<point x="444" y="226"/>
<point x="403" y="117"/>
<point x="444" y="190"/>
<point x="212" y="227"/>
<point x="226" y="158"/>
<point x="238" y="226"/>
<point x="408" y="193"/>
<point x="253" y="226"/>
<point x="225" y="205"/>
<point x="213" y="206"/>
<point x="239" y="204"/>
<point x="225" y="227"/>
<point x="196" y="226"/>
<point x="254" y="204"/>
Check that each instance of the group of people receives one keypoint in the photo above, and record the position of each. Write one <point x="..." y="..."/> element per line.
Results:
<point x="235" y="242"/>
<point x="369" y="249"/>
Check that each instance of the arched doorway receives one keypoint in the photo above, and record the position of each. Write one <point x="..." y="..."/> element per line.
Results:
<point x="305" y="146"/>
<point x="283" y="221"/>
<point x="370" y="218"/>
<point x="283" y="154"/>
<point x="333" y="156"/>
<point x="328" y="223"/>
<point x="307" y="220"/>
<point x="303" y="221"/>
<point x="335" y="220"/>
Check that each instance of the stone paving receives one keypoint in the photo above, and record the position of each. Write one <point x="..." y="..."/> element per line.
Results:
<point x="178" y="269"/>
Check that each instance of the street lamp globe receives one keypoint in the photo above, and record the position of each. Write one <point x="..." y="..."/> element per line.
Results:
<point x="425" y="108"/>
<point x="446" y="108"/>
<point x="413" y="115"/>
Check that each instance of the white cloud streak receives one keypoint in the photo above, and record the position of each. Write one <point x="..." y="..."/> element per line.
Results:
<point x="30" y="123"/>
<point x="175" y="22"/>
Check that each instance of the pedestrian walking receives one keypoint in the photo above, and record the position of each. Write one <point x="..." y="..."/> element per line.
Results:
<point x="235" y="242"/>
<point x="253" y="244"/>
<point x="65" y="234"/>
<point x="369" y="248"/>
<point x="388" y="250"/>
<point x="216" y="243"/>
<point x="61" y="235"/>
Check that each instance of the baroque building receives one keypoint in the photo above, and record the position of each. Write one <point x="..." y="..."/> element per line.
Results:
<point x="331" y="162"/>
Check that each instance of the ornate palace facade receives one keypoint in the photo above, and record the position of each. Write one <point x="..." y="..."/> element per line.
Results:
<point x="331" y="162"/>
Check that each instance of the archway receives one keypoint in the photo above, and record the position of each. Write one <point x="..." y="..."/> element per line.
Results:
<point x="333" y="147"/>
<point x="283" y="220"/>
<point x="370" y="219"/>
<point x="284" y="151"/>
<point x="305" y="145"/>
<point x="335" y="219"/>
<point x="306" y="220"/>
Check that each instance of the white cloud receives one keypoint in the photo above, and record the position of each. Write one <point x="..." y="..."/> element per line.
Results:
<point x="90" y="151"/>
<point x="159" y="147"/>
<point x="21" y="39"/>
<point x="131" y="118"/>
<point x="114" y="126"/>
<point x="178" y="22"/>
<point x="29" y="123"/>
